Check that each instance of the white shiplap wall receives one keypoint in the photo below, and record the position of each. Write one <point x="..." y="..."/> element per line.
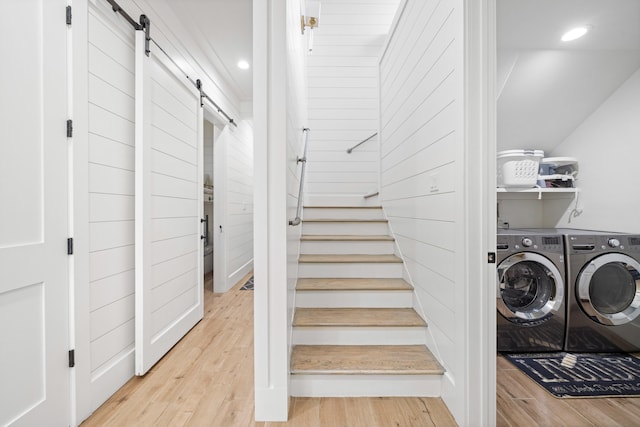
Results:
<point x="111" y="202"/>
<point x="421" y="85"/>
<point x="103" y="116"/>
<point x="233" y="203"/>
<point x="296" y="116"/>
<point x="343" y="95"/>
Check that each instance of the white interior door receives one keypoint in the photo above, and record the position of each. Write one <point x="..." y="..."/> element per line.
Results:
<point x="34" y="287"/>
<point x="169" y="123"/>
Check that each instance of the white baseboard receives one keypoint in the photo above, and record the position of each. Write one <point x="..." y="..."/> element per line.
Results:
<point x="271" y="404"/>
<point x="236" y="276"/>
<point x="366" y="385"/>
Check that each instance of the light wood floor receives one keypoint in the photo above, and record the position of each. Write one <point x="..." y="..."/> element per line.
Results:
<point x="522" y="402"/>
<point x="207" y="380"/>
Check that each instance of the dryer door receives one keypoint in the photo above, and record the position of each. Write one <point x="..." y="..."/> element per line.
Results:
<point x="608" y="289"/>
<point x="530" y="288"/>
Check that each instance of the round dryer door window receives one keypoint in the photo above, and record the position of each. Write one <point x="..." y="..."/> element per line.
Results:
<point x="608" y="289"/>
<point x="530" y="288"/>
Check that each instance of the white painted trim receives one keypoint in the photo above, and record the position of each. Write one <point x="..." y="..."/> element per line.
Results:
<point x="237" y="275"/>
<point x="397" y="335"/>
<point x="480" y="213"/>
<point x="271" y="360"/>
<point x="84" y="405"/>
<point x="367" y="298"/>
<point x="366" y="385"/>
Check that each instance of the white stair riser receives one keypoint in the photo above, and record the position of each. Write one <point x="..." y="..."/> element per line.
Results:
<point x="342" y="247"/>
<point x="366" y="385"/>
<point x="350" y="270"/>
<point x="318" y="199"/>
<point x="337" y="213"/>
<point x="361" y="335"/>
<point x="346" y="228"/>
<point x="347" y="299"/>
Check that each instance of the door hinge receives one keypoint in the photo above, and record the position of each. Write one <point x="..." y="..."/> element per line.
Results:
<point x="72" y="358"/>
<point x="491" y="257"/>
<point x="69" y="128"/>
<point x="68" y="15"/>
<point x="70" y="246"/>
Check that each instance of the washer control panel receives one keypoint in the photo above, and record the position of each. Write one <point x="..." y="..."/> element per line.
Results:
<point x="550" y="243"/>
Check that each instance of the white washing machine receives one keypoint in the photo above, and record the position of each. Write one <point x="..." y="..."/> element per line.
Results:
<point x="531" y="291"/>
<point x="603" y="272"/>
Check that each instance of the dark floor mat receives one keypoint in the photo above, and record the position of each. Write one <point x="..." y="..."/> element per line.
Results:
<point x="248" y="286"/>
<point x="582" y="374"/>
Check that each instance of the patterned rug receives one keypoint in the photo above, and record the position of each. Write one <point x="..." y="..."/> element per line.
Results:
<point x="248" y="286"/>
<point x="582" y="374"/>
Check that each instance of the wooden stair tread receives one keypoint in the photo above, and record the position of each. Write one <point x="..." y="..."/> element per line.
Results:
<point x="345" y="237"/>
<point x="358" y="317"/>
<point x="312" y="258"/>
<point x="330" y="220"/>
<point x="343" y="207"/>
<point x="352" y="284"/>
<point x="365" y="359"/>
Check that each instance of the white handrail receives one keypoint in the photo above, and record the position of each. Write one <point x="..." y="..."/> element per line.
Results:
<point x="298" y="219"/>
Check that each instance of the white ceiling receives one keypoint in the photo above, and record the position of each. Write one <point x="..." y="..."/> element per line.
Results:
<point x="547" y="88"/>
<point x="223" y="29"/>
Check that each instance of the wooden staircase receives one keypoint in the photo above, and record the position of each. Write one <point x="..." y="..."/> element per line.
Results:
<point x="355" y="332"/>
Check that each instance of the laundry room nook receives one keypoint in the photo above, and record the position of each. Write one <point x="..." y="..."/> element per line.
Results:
<point x="568" y="235"/>
<point x="572" y="100"/>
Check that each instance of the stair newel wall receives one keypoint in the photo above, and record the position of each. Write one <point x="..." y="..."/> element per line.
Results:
<point x="279" y="109"/>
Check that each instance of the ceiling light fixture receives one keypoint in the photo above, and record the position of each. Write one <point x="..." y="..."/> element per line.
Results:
<point x="243" y="65"/>
<point x="575" y="33"/>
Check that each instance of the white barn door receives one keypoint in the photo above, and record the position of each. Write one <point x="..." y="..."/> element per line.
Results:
<point x="34" y="287"/>
<point x="169" y="290"/>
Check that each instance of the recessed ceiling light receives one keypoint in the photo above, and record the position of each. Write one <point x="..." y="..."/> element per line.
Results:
<point x="243" y="65"/>
<point x="575" y="33"/>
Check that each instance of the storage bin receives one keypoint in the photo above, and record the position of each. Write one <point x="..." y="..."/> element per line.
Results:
<point x="518" y="168"/>
<point x="558" y="172"/>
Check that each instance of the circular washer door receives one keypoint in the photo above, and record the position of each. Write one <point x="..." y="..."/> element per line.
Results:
<point x="530" y="288"/>
<point x="608" y="289"/>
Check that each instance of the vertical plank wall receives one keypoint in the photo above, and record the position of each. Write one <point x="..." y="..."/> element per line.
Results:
<point x="111" y="202"/>
<point x="343" y="94"/>
<point x="421" y="149"/>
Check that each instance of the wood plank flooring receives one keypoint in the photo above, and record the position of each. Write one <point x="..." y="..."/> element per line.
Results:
<point x="207" y="380"/>
<point x="522" y="402"/>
